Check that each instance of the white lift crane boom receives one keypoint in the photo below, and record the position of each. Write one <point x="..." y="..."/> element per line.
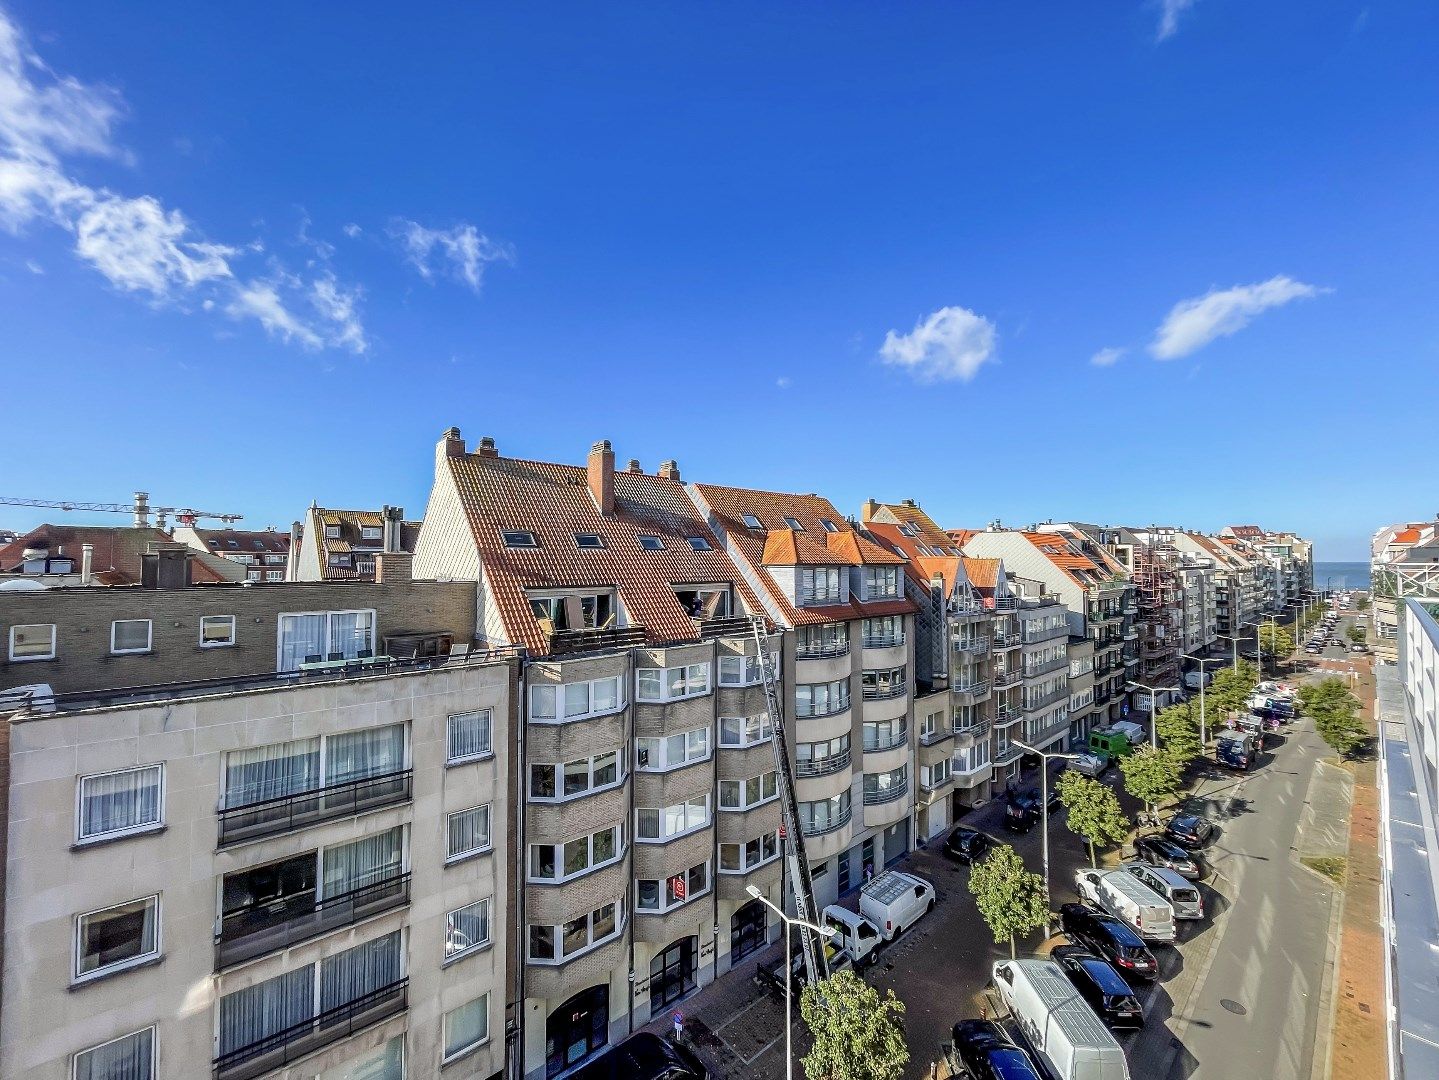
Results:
<point x="140" y="508"/>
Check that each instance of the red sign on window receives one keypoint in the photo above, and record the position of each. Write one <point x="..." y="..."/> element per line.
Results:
<point x="677" y="885"/>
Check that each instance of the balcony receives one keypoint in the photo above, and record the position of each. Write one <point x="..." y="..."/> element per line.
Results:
<point x="1033" y="671"/>
<point x="572" y="642"/>
<point x="298" y="1040"/>
<point x="822" y="766"/>
<point x="974" y="731"/>
<point x="1006" y="603"/>
<point x="1006" y="640"/>
<point x="820" y="709"/>
<point x="1008" y="754"/>
<point x="977" y="689"/>
<point x="271" y="817"/>
<point x="1033" y="637"/>
<point x="885" y="693"/>
<point x="934" y="737"/>
<point x="823" y="651"/>
<point x="973" y="645"/>
<point x="724" y="626"/>
<point x="1131" y="634"/>
<point x="969" y="610"/>
<point x="1062" y="694"/>
<point x="889" y="742"/>
<point x="1005" y="679"/>
<point x="878" y="796"/>
<point x="834" y="824"/>
<point x="248" y="934"/>
<point x="883" y="641"/>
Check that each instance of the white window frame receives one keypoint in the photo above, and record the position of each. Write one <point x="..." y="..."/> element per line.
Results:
<point x="149" y="637"/>
<point x="745" y="866"/>
<point x="743" y="670"/>
<point x="829" y="526"/>
<point x="558" y="936"/>
<point x="792" y="523"/>
<point x="742" y="786"/>
<point x="832" y="695"/>
<point x="76" y="978"/>
<point x="372" y="532"/>
<point x="332" y="532"/>
<point x="217" y="644"/>
<point x="54" y="637"/>
<point x="662" y="890"/>
<point x="661" y="762"/>
<point x="591" y="788"/>
<point x="664" y="837"/>
<point x="329" y="621"/>
<point x="154" y="1047"/>
<point x="488" y="716"/>
<point x="762" y="722"/>
<point x="664" y="694"/>
<point x="469" y="1048"/>
<point x="556" y="691"/>
<point x="137" y="830"/>
<point x="470" y="853"/>
<point x="478" y="946"/>
<point x="274" y="575"/>
<point x="590" y="865"/>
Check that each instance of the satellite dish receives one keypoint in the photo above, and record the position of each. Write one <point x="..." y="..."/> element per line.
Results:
<point x="22" y="585"/>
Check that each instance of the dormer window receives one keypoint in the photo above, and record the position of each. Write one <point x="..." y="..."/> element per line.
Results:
<point x="881" y="582"/>
<point x="576" y="611"/>
<point x="817" y="585"/>
<point x="699" y="543"/>
<point x="829" y="526"/>
<point x="752" y="522"/>
<point x="793" y="523"/>
<point x="259" y="545"/>
<point x="705" y="601"/>
<point x="371" y="532"/>
<point x="518" y="538"/>
<point x="332" y="532"/>
<point x="589" y="541"/>
<point x="652" y="543"/>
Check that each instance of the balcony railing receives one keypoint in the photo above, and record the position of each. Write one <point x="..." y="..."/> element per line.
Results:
<point x="834" y="824"/>
<point x="811" y="599"/>
<point x="821" y="651"/>
<point x="298" y="1040"/>
<point x="888" y="742"/>
<point x="968" y="610"/>
<point x="1033" y="671"/>
<point x="1008" y="754"/>
<point x="936" y="736"/>
<point x="1032" y="637"/>
<point x="883" y="641"/>
<point x="884" y="693"/>
<point x="568" y="642"/>
<point x="1061" y="694"/>
<point x="972" y="644"/>
<point x="254" y="932"/>
<point x="1006" y="640"/>
<point x="270" y="817"/>
<point x="822" y="766"/>
<point x="1005" y="679"/>
<point x="1006" y="603"/>
<point x="974" y="689"/>
<point x="878" y="796"/>
<point x="828" y="708"/>
<point x="974" y="731"/>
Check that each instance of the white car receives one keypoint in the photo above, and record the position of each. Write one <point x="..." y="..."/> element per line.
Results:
<point x="1091" y="765"/>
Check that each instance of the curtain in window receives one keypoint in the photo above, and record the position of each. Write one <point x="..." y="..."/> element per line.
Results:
<point x="468" y="927"/>
<point x="268" y="772"/>
<point x="350" y="975"/>
<point x="469" y="735"/>
<point x="469" y="830"/>
<point x="130" y="1058"/>
<point x="351" y="631"/>
<point x="254" y="1014"/>
<point x="358" y="754"/>
<point x="300" y="636"/>
<point x="120" y="801"/>
<point x="349" y="867"/>
<point x="467" y="1025"/>
<point x="383" y="1063"/>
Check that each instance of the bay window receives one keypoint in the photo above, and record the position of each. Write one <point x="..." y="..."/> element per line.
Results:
<point x="742" y="858"/>
<point x="884" y="632"/>
<point x="672" y="684"/>
<point x="881" y="582"/>
<point x="659" y="824"/>
<point x="818" y="758"/>
<point x="884" y="734"/>
<point x="556" y="703"/>
<point x="748" y="793"/>
<point x="740" y="731"/>
<point x="885" y="786"/>
<point x="558" y="944"/>
<point x="885" y="683"/>
<point x="652" y="895"/>
<point x="574" y="779"/>
<point x="740" y="671"/>
<point x="824" y="816"/>
<point x="821" y="699"/>
<point x="672" y="751"/>
<point x="553" y="863"/>
<point x="824" y="639"/>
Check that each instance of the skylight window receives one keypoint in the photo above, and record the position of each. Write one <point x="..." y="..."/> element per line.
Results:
<point x="793" y="523"/>
<point x="752" y="522"/>
<point x="699" y="543"/>
<point x="588" y="541"/>
<point x="923" y="550"/>
<point x="518" y="538"/>
<point x="907" y="530"/>
<point x="829" y="526"/>
<point x="232" y="543"/>
<point x="652" y="543"/>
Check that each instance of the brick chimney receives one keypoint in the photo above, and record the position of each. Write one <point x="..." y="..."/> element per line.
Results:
<point x="486" y="447"/>
<point x="393" y="566"/>
<point x="670" y="470"/>
<point x="634" y="465"/>
<point x="601" y="469"/>
<point x="868" y="510"/>
<point x="451" y="445"/>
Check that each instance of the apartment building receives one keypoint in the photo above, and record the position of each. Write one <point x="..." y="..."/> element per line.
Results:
<point x="263" y="553"/>
<point x="1236" y="594"/>
<point x="1198" y="603"/>
<point x="1286" y="564"/>
<point x="289" y="874"/>
<point x="341" y="545"/>
<point x="94" y="555"/>
<point x="1404" y="562"/>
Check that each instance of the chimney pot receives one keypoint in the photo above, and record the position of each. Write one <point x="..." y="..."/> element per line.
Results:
<point x="670" y="470"/>
<point x="486" y="447"/>
<point x="600" y="472"/>
<point x="451" y="445"/>
<point x="87" y="562"/>
<point x="634" y="465"/>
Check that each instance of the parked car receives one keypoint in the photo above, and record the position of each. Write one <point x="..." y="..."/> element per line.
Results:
<point x="855" y="936"/>
<point x="966" y="845"/>
<point x="983" y="1051"/>
<point x="1091" y="765"/>
<point x="1237" y="751"/>
<point x="1022" y="808"/>
<point x="1101" y="985"/>
<point x="643" y="1056"/>
<point x="1122" y="895"/>
<point x="1183" y="895"/>
<point x="1110" y="743"/>
<point x="1313" y="649"/>
<point x="1189" y="830"/>
<point x="1111" y="939"/>
<point x="1359" y="646"/>
<point x="894" y="901"/>
<point x="1157" y="851"/>
<point x="1057" y="1022"/>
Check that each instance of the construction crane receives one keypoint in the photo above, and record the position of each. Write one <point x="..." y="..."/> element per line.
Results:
<point x="140" y="508"/>
<point x="816" y="965"/>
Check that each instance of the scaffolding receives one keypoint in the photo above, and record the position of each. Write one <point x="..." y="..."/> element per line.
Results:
<point x="1156" y="585"/>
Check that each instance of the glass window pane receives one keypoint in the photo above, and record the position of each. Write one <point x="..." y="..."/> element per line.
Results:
<point x="116" y="935"/>
<point x="674" y="682"/>
<point x="577" y="776"/>
<point x="542" y="861"/>
<point x="467" y="1026"/>
<point x="468" y="928"/>
<point x="119" y="801"/>
<point x="542" y="702"/>
<point x="604" y="922"/>
<point x="542" y="942"/>
<point x="577" y="699"/>
<point x="649" y="684"/>
<point x="469" y="831"/>
<point x="606" y="695"/>
<point x="649" y="895"/>
<point x="648" y="824"/>
<point x="729" y="857"/>
<point x="674" y="751"/>
<point x="607" y="768"/>
<point x="577" y="855"/>
<point x="575" y="935"/>
<point x="131" y="1057"/>
<point x="542" y="781"/>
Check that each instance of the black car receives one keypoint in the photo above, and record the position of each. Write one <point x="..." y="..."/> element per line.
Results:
<point x="984" y="1052"/>
<point x="1100" y="985"/>
<point x="1022" y="808"/>
<point x="966" y="845"/>
<point x="1160" y="851"/>
<point x="1189" y="830"/>
<point x="643" y="1056"/>
<point x="1111" y="939"/>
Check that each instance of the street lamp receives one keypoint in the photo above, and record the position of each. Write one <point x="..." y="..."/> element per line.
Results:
<point x="1044" y="814"/>
<point x="822" y="931"/>
<point x="1154" y="691"/>
<point x="1201" y="661"/>
<point x="1258" y="652"/>
<point x="1233" y="639"/>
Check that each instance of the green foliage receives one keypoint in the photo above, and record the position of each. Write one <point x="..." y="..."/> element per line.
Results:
<point x="1230" y="688"/>
<point x="1151" y="776"/>
<point x="1094" y="812"/>
<point x="1010" y="898"/>
<point x="1363" y="604"/>
<point x="1356" y="634"/>
<point x="1178" y="731"/>
<point x="858" y="1035"/>
<point x="1275" y="640"/>
<point x="1336" y="715"/>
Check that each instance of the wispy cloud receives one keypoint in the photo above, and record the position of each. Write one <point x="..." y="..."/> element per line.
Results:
<point x="1106" y="357"/>
<point x="1192" y="324"/>
<point x="462" y="251"/>
<point x="783" y="382"/>
<point x="951" y="343"/>
<point x="1169" y="12"/>
<point x="136" y="243"/>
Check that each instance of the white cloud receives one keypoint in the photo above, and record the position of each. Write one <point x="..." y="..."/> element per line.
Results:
<point x="463" y="250"/>
<point x="1106" y="357"/>
<point x="352" y="230"/>
<point x="34" y="267"/>
<point x="139" y="246"/>
<point x="951" y="343"/>
<point x="1191" y="324"/>
<point x="337" y="306"/>
<point x="783" y="382"/>
<point x="260" y="300"/>
<point x="1169" y="12"/>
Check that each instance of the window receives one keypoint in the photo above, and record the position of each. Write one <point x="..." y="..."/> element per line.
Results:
<point x="33" y="642"/>
<point x="651" y="543"/>
<point x="216" y="631"/>
<point x="885" y="683"/>
<point x="749" y="793"/>
<point x="813" y="758"/>
<point x="588" y="541"/>
<point x="968" y="758"/>
<point x="705" y="602"/>
<point x="371" y="532"/>
<point x="743" y="731"/>
<point x="829" y="526"/>
<point x="518" y="538"/>
<point x="466" y="1027"/>
<point x="274" y="575"/>
<point x="699" y="543"/>
<point x="687" y="885"/>
<point x="752" y="522"/>
<point x="556" y="944"/>
<point x="120" y="803"/>
<point x="672" y="751"/>
<point x="467" y="832"/>
<point x="823" y="816"/>
<point x="384" y="1062"/>
<point x="793" y="523"/>
<point x="824" y="639"/>
<point x="884" y="734"/>
<point x="882" y="787"/>
<point x="933" y="776"/>
<point x="560" y="862"/>
<point x="116" y="938"/>
<point x="130" y="635"/>
<point x="821" y="699"/>
<point x="467" y="930"/>
<point x="339" y="558"/>
<point x="907" y="530"/>
<point x="468" y="736"/>
<point x="881" y="581"/>
<point x="884" y="632"/>
<point x="740" y="671"/>
<point x="574" y="611"/>
<point x="310" y="637"/>
<point x="130" y="1057"/>
<point x="572" y="779"/>
<point x="742" y="858"/>
<point x="562" y="702"/>
<point x="332" y="532"/>
<point x="259" y="773"/>
<point x="667" y="822"/>
<point x="672" y="684"/>
<point x="817" y="585"/>
<point x="253" y="575"/>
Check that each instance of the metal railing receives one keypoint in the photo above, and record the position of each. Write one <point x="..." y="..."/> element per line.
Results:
<point x="884" y="693"/>
<point x="933" y="737"/>
<point x="972" y="644"/>
<point x="829" y="708"/>
<point x="1033" y="637"/>
<point x="1004" y="640"/>
<point x="821" y="651"/>
<point x="883" y="641"/>
<point x="1061" y="694"/>
<point x="879" y="796"/>
<point x="1032" y="671"/>
<point x="875" y="746"/>
<point x="975" y="689"/>
<point x="822" y="766"/>
<point x="975" y="731"/>
<point x="297" y="1040"/>
<point x="1006" y="679"/>
<point x="254" y="932"/>
<point x="1008" y="754"/>
<point x="811" y="599"/>
<point x="839" y="821"/>
<point x="269" y="817"/>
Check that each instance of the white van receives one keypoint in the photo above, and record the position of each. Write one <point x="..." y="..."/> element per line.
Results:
<point x="855" y="936"/>
<point x="1126" y="897"/>
<point x="1197" y="678"/>
<point x="1183" y="895"/>
<point x="1057" y="1022"/>
<point x="1131" y="731"/>
<point x="895" y="901"/>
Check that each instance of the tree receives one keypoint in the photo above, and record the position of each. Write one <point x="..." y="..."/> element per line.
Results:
<point x="1009" y="897"/>
<point x="858" y="1035"/>
<point x="1094" y="812"/>
<point x="1231" y="687"/>
<point x="1363" y="604"/>
<point x="1275" y="640"/>
<point x="1178" y="731"/>
<point x="1356" y="634"/>
<point x="1336" y="715"/>
<point x="1150" y="775"/>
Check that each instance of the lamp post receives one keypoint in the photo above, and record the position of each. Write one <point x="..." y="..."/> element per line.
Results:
<point x="1201" y="661"/>
<point x="1154" y="691"/>
<point x="1233" y="639"/>
<point x="1044" y="815"/>
<point x="822" y="931"/>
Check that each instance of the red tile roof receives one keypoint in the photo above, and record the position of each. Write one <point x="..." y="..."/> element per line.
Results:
<point x="265" y="541"/>
<point x="924" y="526"/>
<point x="785" y="547"/>
<point x="982" y="573"/>
<point x="1406" y="536"/>
<point x="352" y="542"/>
<point x="116" y="555"/>
<point x="961" y="536"/>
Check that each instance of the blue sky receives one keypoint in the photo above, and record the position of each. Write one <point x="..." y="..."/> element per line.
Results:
<point x="253" y="258"/>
